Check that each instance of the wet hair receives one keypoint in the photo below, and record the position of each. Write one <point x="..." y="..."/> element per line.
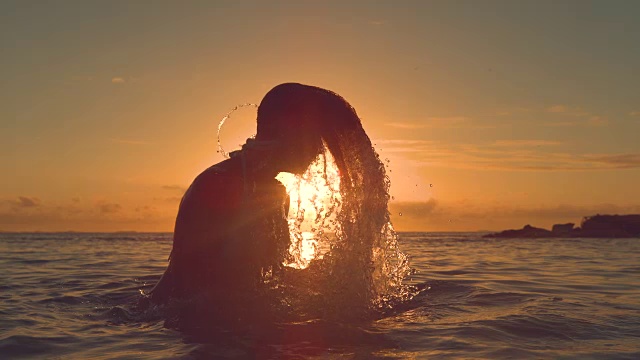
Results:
<point x="308" y="112"/>
<point x="293" y="110"/>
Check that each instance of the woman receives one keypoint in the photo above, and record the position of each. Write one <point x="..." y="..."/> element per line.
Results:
<point x="231" y="225"/>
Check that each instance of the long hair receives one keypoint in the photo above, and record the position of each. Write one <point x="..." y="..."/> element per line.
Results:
<point x="293" y="109"/>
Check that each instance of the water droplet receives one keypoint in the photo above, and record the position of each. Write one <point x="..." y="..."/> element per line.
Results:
<point x="393" y="198"/>
<point x="401" y="215"/>
<point x="430" y="185"/>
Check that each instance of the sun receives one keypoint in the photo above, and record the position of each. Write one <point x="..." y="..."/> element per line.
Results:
<point x="316" y="187"/>
<point x="314" y="201"/>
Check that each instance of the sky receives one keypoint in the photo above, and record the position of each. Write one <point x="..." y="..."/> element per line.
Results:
<point x="492" y="114"/>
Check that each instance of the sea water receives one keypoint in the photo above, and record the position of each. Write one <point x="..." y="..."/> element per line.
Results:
<point x="73" y="296"/>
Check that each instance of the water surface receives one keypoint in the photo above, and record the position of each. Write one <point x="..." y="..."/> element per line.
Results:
<point x="72" y="296"/>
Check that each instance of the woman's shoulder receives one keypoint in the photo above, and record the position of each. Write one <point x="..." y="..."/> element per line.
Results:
<point x="220" y="180"/>
<point x="227" y="168"/>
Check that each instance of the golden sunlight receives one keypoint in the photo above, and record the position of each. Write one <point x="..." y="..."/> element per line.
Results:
<point x="313" y="191"/>
<point x="309" y="247"/>
<point x="314" y="201"/>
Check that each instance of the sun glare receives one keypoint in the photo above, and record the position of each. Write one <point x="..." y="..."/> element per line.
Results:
<point x="309" y="246"/>
<point x="314" y="201"/>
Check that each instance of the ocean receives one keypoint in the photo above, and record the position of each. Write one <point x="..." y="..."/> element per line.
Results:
<point x="73" y="296"/>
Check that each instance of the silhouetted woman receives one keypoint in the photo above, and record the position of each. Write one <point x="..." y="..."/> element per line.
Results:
<point x="231" y="226"/>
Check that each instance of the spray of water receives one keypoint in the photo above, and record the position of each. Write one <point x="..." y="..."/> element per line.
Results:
<point x="354" y="275"/>
<point x="224" y="119"/>
<point x="344" y="250"/>
<point x="314" y="204"/>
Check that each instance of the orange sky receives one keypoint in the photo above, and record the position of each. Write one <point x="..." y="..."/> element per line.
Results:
<point x="492" y="116"/>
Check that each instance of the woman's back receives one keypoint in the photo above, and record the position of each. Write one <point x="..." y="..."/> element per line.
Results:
<point x="229" y="227"/>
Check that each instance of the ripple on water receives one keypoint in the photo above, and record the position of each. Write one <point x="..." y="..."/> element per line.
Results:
<point x="480" y="299"/>
<point x="17" y="346"/>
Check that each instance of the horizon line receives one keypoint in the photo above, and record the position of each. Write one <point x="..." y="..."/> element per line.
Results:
<point x="171" y="232"/>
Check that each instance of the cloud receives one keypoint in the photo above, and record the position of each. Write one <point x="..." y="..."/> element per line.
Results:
<point x="81" y="78"/>
<point x="433" y="122"/>
<point x="377" y="22"/>
<point x="129" y="141"/>
<point x="562" y="123"/>
<point x="434" y="215"/>
<point x="594" y="121"/>
<point x="24" y="201"/>
<point x="90" y="218"/>
<point x="403" y="142"/>
<point x="178" y="188"/>
<point x="109" y="208"/>
<point x="117" y="80"/>
<point x="30" y="214"/>
<point x="145" y="208"/>
<point x="597" y="121"/>
<point x="400" y="146"/>
<point x="508" y="155"/>
<point x="414" y="208"/>
<point x="557" y="109"/>
<point x="564" y="109"/>
<point x="585" y="118"/>
<point x="173" y="200"/>
<point x="634" y="113"/>
<point x="447" y="121"/>
<point x="512" y="111"/>
<point x="619" y="161"/>
<point x="565" y="210"/>
<point x="405" y="125"/>
<point x="525" y="143"/>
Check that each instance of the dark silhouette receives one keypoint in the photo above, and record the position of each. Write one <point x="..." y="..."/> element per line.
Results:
<point x="563" y="229"/>
<point x="598" y="226"/>
<point x="231" y="225"/>
<point x="527" y="231"/>
<point x="616" y="226"/>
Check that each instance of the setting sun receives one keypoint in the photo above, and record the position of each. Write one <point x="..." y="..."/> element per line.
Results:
<point x="314" y="199"/>
<point x="315" y="190"/>
<point x="477" y="196"/>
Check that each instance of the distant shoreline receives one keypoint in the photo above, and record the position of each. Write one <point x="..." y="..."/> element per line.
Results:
<point x="478" y="232"/>
<point x="596" y="226"/>
<point x="85" y="232"/>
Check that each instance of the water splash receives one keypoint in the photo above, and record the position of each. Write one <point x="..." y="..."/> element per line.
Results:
<point x="315" y="201"/>
<point x="224" y="119"/>
<point x="345" y="259"/>
<point x="365" y="269"/>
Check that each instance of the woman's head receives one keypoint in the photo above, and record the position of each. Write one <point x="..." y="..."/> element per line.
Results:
<point x="302" y="118"/>
<point x="288" y="114"/>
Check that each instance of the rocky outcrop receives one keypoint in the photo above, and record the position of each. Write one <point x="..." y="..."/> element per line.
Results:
<point x="562" y="229"/>
<point x="597" y="226"/>
<point x="611" y="226"/>
<point x="527" y="231"/>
